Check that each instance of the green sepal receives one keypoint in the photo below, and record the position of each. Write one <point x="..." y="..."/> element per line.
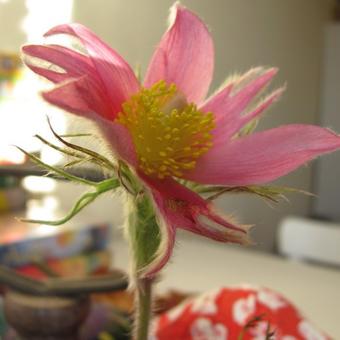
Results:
<point x="143" y="231"/>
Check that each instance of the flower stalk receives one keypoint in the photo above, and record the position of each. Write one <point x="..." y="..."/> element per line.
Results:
<point x="144" y="237"/>
<point x="143" y="308"/>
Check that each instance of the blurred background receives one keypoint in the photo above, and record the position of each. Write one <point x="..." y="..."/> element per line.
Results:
<point x="301" y="38"/>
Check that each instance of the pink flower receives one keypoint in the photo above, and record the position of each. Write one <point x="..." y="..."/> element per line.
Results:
<point x="166" y="130"/>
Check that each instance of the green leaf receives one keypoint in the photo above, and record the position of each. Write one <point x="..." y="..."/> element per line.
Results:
<point x="56" y="170"/>
<point x="70" y="135"/>
<point x="83" y="201"/>
<point x="270" y="193"/>
<point x="76" y="162"/>
<point x="62" y="150"/>
<point x="101" y="160"/>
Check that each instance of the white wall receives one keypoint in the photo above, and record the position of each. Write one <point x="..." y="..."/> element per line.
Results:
<point x="11" y="16"/>
<point x="326" y="181"/>
<point x="287" y="34"/>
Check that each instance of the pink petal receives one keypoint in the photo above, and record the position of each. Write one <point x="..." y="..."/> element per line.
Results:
<point x="54" y="76"/>
<point x="184" y="56"/>
<point x="81" y="96"/>
<point x="119" y="140"/>
<point x="78" y="96"/>
<point x="220" y="136"/>
<point x="73" y="63"/>
<point x="230" y="103"/>
<point x="263" y="156"/>
<point x="180" y="207"/>
<point x="231" y="86"/>
<point x="116" y="76"/>
<point x="261" y="107"/>
<point x="80" y="90"/>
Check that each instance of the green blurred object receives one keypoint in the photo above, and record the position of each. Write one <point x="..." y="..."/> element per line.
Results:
<point x="8" y="182"/>
<point x="3" y="324"/>
<point x="12" y="195"/>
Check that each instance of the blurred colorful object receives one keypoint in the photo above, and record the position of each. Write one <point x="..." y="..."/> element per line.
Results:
<point x="10" y="73"/>
<point x="236" y="313"/>
<point x="10" y="64"/>
<point x="22" y="247"/>
<point x="84" y="264"/>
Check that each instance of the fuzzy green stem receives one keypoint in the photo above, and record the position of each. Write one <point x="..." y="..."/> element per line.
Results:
<point x="144" y="239"/>
<point x="143" y="308"/>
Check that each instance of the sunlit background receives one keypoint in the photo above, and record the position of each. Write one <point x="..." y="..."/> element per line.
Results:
<point x="301" y="38"/>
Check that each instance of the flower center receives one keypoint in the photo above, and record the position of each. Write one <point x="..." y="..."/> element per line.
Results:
<point x="168" y="133"/>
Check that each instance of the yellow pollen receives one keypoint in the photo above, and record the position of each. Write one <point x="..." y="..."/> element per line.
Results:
<point x="169" y="134"/>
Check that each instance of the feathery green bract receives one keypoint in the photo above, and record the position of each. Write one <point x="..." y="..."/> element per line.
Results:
<point x="83" y="201"/>
<point x="270" y="193"/>
<point x="56" y="170"/>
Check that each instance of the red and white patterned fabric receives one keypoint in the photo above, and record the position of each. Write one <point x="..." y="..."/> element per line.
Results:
<point x="224" y="313"/>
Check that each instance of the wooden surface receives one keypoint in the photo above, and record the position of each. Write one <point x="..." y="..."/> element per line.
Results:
<point x="199" y="265"/>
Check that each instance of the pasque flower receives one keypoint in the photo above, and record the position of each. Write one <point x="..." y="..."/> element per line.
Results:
<point x="166" y="130"/>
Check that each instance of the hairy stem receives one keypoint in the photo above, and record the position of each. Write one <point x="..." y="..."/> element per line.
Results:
<point x="143" y="308"/>
<point x="144" y="238"/>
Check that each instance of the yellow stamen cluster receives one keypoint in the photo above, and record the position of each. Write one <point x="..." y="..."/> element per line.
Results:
<point x="169" y="134"/>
